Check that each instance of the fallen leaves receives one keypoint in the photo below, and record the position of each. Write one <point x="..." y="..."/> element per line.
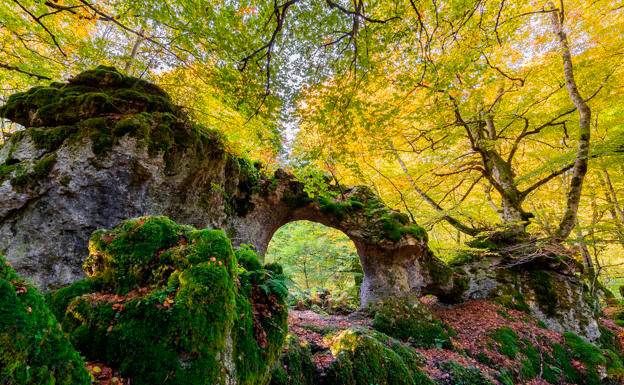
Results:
<point x="105" y="375"/>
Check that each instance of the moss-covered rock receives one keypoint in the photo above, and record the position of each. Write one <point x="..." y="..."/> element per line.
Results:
<point x="410" y="321"/>
<point x="363" y="358"/>
<point x="33" y="348"/>
<point x="168" y="304"/>
<point x="98" y="92"/>
<point x="295" y="366"/>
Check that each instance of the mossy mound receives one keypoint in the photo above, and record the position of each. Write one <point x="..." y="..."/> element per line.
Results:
<point x="574" y="361"/>
<point x="33" y="348"/>
<point x="363" y="358"/>
<point x="295" y="366"/>
<point x="102" y="91"/>
<point x="168" y="304"/>
<point x="410" y="321"/>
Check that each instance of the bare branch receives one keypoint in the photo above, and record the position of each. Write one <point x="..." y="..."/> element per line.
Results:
<point x="16" y="69"/>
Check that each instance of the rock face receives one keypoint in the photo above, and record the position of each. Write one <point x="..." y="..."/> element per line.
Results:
<point x="105" y="147"/>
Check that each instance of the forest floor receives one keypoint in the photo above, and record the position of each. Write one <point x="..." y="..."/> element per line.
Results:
<point x="473" y="322"/>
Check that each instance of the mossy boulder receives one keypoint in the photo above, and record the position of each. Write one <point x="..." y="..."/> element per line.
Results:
<point x="363" y="358"/>
<point x="33" y="348"/>
<point x="102" y="91"/>
<point x="169" y="304"/>
<point x="411" y="321"/>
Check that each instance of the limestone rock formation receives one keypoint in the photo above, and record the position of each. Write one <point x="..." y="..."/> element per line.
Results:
<point x="104" y="147"/>
<point x="537" y="280"/>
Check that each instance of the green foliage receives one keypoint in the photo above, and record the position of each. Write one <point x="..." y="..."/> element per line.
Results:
<point x="33" y="349"/>
<point x="161" y="303"/>
<point x="363" y="359"/>
<point x="410" y="321"/>
<point x="315" y="257"/>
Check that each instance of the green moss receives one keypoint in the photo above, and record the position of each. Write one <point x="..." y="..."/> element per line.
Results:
<point x="173" y="327"/>
<point x="410" y="321"/>
<point x="25" y="178"/>
<point x="248" y="258"/>
<point x="463" y="258"/>
<point x="33" y="349"/>
<point x="545" y="293"/>
<point x="461" y="375"/>
<point x="362" y="359"/>
<point x="51" y="138"/>
<point x="295" y="366"/>
<point x="394" y="226"/>
<point x="505" y="377"/>
<point x="258" y="338"/>
<point x="508" y="341"/>
<point x="59" y="300"/>
<point x="98" y="92"/>
<point x="337" y="208"/>
<point x="512" y="298"/>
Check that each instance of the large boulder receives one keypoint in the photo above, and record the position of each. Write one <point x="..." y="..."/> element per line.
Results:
<point x="168" y="304"/>
<point x="541" y="280"/>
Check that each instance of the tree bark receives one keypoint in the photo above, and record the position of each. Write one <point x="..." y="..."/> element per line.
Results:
<point x="581" y="161"/>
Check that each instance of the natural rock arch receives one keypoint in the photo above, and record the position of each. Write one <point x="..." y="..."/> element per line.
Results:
<point x="104" y="147"/>
<point x="393" y="251"/>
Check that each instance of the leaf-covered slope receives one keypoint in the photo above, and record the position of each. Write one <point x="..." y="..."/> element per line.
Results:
<point x="476" y="343"/>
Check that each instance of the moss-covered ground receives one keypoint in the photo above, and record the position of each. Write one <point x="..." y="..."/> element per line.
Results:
<point x="484" y="344"/>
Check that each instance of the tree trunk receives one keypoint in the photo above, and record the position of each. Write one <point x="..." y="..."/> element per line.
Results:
<point x="579" y="169"/>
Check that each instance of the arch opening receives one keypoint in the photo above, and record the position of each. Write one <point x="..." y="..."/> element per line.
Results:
<point x="322" y="264"/>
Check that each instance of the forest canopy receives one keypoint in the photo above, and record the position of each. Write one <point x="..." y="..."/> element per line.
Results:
<point x="470" y="116"/>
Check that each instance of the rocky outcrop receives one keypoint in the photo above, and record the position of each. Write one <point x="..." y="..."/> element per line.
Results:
<point x="541" y="280"/>
<point x="104" y="147"/>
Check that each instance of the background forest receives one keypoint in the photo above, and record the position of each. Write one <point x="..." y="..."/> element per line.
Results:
<point x="459" y="113"/>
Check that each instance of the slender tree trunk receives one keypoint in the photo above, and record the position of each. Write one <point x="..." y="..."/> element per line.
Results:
<point x="579" y="169"/>
<point x="584" y="250"/>
<point x="133" y="52"/>
<point x="614" y="206"/>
